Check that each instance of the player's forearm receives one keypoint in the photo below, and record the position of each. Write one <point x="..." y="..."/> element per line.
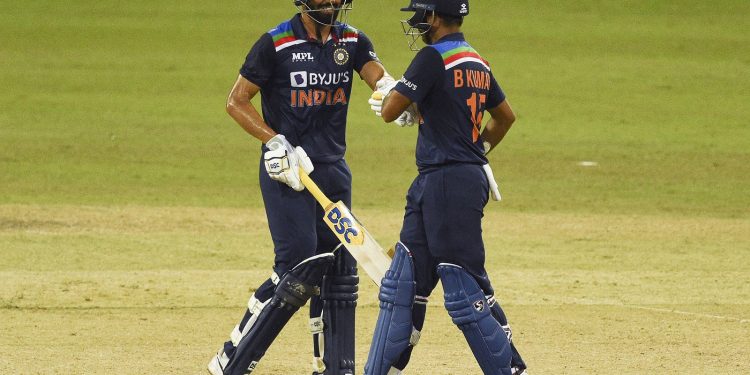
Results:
<point x="502" y="118"/>
<point x="372" y="72"/>
<point x="394" y="104"/>
<point x="245" y="114"/>
<point x="495" y="131"/>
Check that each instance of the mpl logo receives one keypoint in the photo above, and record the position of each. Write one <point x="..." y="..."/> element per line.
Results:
<point x="298" y="79"/>
<point x="302" y="57"/>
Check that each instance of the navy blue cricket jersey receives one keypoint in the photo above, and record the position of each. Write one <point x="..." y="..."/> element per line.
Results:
<point x="452" y="86"/>
<point x="305" y="85"/>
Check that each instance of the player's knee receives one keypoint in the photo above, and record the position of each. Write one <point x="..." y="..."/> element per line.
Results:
<point x="292" y="252"/>
<point x="398" y="286"/>
<point x="303" y="281"/>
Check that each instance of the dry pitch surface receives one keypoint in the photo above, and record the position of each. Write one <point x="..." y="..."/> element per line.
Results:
<point x="112" y="129"/>
<point x="138" y="290"/>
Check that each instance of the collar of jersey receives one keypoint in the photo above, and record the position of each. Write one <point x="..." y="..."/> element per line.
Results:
<point x="301" y="34"/>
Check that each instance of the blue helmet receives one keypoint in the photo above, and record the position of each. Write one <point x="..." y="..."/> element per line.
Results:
<point x="454" y="8"/>
<point x="417" y="26"/>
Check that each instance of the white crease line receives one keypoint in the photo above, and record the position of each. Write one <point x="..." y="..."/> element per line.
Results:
<point x="688" y="313"/>
<point x="609" y="302"/>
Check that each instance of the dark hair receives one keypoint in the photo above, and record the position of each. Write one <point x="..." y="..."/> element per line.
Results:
<point x="451" y="20"/>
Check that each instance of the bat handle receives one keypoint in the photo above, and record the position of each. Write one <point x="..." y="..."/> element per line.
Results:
<point x="313" y="188"/>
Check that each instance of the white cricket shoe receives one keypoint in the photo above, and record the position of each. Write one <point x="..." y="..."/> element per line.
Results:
<point x="517" y="371"/>
<point x="217" y="363"/>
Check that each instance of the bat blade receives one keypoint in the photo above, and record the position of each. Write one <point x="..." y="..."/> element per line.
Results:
<point x="369" y="255"/>
<point x="357" y="240"/>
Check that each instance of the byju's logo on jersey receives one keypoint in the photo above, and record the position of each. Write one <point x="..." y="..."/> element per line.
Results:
<point x="302" y="57"/>
<point x="303" y="78"/>
<point x="327" y="88"/>
<point x="298" y="79"/>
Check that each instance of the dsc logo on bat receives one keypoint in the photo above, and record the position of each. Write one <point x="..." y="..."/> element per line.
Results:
<point x="341" y="220"/>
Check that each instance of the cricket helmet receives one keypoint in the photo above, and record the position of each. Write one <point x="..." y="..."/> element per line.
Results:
<point x="341" y="12"/>
<point x="455" y="8"/>
<point x="304" y="2"/>
<point x="418" y="26"/>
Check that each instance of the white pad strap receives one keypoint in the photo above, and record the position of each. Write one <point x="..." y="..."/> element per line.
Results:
<point x="491" y="300"/>
<point x="316" y="328"/>
<point x="255" y="306"/>
<point x="415" y="333"/>
<point x="223" y="359"/>
<point x="415" y="336"/>
<point x="316" y="325"/>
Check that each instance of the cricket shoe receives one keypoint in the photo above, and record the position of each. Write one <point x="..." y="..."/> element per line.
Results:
<point x="518" y="371"/>
<point x="217" y="363"/>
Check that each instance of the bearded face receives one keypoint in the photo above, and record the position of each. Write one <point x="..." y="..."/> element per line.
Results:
<point x="324" y="11"/>
<point x="426" y="38"/>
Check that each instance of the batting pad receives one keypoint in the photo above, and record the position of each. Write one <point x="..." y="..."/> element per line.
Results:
<point x="394" y="327"/>
<point x="468" y="307"/>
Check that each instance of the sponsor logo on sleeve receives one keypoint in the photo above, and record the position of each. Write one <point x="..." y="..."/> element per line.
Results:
<point x="409" y="84"/>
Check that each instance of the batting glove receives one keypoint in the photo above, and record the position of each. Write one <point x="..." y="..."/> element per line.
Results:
<point x="282" y="162"/>
<point x="382" y="88"/>
<point x="409" y="117"/>
<point x="494" y="189"/>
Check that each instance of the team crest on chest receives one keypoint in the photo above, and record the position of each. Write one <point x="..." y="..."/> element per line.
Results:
<point x="340" y="56"/>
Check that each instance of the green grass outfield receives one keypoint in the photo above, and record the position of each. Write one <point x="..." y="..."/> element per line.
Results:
<point x="132" y="229"/>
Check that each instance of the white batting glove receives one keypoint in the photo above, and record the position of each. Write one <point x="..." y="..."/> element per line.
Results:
<point x="487" y="147"/>
<point x="382" y="88"/>
<point x="409" y="117"/>
<point x="282" y="161"/>
<point x="494" y="189"/>
<point x="385" y="84"/>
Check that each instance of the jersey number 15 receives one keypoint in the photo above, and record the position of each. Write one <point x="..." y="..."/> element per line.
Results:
<point x="476" y="105"/>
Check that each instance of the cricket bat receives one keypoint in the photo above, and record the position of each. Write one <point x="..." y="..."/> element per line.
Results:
<point x="360" y="243"/>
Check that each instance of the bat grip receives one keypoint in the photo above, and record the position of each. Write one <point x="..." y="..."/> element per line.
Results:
<point x="313" y="188"/>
